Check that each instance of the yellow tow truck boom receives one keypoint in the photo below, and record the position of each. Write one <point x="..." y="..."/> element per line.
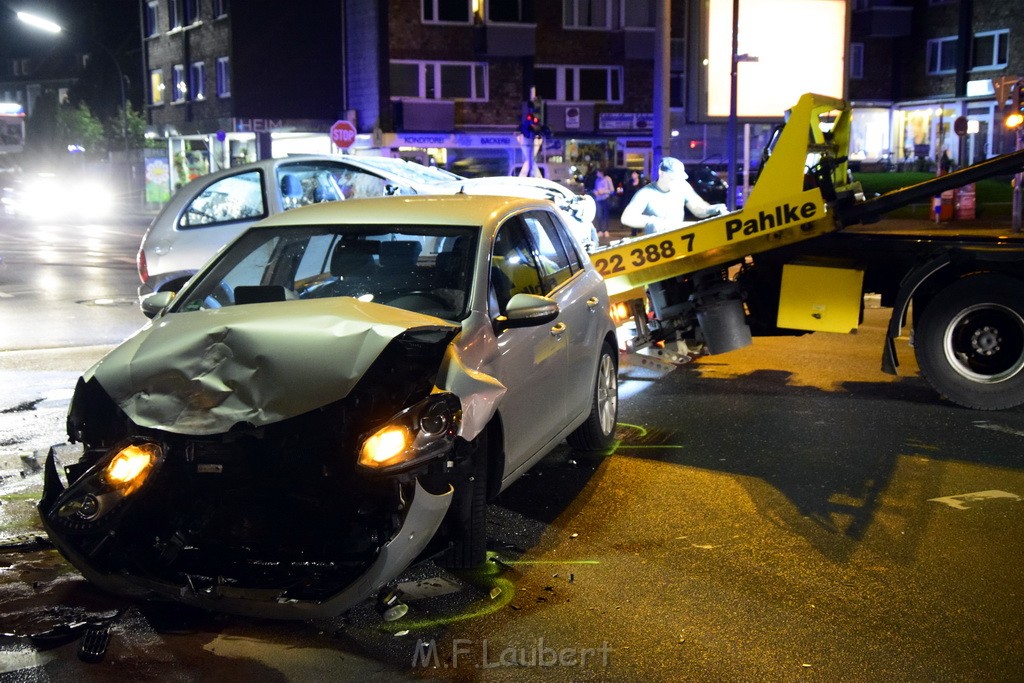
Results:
<point x="780" y="210"/>
<point x="784" y="265"/>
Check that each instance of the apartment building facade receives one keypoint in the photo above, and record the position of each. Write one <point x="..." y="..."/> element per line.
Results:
<point x="916" y="66"/>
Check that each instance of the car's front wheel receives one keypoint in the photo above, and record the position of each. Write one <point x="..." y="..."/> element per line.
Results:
<point x="468" y="514"/>
<point x="597" y="433"/>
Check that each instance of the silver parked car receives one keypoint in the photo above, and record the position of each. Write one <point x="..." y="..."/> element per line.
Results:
<point x="339" y="392"/>
<point x="212" y="210"/>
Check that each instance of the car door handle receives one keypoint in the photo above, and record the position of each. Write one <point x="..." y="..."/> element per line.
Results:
<point x="592" y="302"/>
<point x="557" y="329"/>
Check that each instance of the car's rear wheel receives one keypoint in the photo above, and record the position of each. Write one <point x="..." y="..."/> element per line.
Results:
<point x="597" y="433"/>
<point x="468" y="525"/>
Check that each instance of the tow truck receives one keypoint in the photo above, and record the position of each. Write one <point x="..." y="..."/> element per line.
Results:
<point x="798" y="258"/>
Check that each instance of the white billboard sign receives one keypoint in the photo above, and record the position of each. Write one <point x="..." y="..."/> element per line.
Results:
<point x="799" y="47"/>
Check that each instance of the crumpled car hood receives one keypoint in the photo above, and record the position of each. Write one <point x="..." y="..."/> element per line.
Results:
<point x="202" y="372"/>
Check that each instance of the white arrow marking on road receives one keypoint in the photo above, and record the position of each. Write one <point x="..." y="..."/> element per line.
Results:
<point x="982" y="424"/>
<point x="957" y="502"/>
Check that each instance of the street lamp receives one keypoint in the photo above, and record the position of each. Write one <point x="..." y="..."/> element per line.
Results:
<point x="39" y="22"/>
<point x="48" y="26"/>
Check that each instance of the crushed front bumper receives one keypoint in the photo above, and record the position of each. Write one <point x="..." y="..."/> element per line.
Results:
<point x="423" y="517"/>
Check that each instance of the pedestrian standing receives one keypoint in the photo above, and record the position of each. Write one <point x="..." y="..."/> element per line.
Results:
<point x="603" y="189"/>
<point x="633" y="183"/>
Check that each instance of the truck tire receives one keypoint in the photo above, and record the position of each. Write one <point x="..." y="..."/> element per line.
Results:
<point x="468" y="530"/>
<point x="598" y="432"/>
<point x="970" y="342"/>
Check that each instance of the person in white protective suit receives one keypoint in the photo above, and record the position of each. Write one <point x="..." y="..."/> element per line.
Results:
<point x="662" y="205"/>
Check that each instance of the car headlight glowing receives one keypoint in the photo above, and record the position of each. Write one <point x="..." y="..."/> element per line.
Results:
<point x="385" y="445"/>
<point x="111" y="481"/>
<point x="130" y="466"/>
<point x="424" y="431"/>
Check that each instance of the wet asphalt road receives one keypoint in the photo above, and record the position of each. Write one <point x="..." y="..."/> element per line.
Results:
<point x="783" y="512"/>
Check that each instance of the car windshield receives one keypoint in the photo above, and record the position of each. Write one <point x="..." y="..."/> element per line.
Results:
<point x="426" y="269"/>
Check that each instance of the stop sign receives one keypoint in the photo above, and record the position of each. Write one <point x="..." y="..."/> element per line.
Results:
<point x="343" y="134"/>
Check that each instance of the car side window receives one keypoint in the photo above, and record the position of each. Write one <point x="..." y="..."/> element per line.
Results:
<point x="305" y="183"/>
<point x="554" y="262"/>
<point x="355" y="183"/>
<point x="513" y="266"/>
<point x="235" y="198"/>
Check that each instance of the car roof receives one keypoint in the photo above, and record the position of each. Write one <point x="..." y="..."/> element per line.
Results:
<point x="457" y="209"/>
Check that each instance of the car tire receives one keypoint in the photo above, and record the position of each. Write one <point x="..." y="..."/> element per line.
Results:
<point x="970" y="342"/>
<point x="468" y="527"/>
<point x="597" y="433"/>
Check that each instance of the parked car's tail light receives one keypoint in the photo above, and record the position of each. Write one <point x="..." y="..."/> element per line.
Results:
<point x="424" y="431"/>
<point x="140" y="261"/>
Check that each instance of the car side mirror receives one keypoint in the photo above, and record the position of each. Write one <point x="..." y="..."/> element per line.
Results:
<point x="526" y="310"/>
<point x="154" y="303"/>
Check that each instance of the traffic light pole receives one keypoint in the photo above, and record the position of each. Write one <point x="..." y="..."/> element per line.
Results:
<point x="1018" y="180"/>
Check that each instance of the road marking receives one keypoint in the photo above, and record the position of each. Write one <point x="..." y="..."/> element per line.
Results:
<point x="5" y="295"/>
<point x="957" y="502"/>
<point x="982" y="424"/>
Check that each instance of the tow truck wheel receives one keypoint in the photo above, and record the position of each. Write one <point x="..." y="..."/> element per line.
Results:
<point x="598" y="432"/>
<point x="970" y="342"/>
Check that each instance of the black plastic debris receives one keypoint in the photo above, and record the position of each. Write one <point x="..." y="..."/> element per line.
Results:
<point x="24" y="543"/>
<point x="93" y="645"/>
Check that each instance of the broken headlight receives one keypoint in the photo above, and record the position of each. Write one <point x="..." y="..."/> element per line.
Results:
<point x="115" y="477"/>
<point x="426" y="430"/>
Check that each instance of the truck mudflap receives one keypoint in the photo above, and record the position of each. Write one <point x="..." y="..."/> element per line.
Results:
<point x="422" y="520"/>
<point x="913" y="280"/>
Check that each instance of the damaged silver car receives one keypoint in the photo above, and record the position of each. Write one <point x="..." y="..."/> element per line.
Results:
<point x="339" y="392"/>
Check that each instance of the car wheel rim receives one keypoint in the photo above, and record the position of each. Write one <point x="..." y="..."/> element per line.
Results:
<point x="607" y="394"/>
<point x="985" y="343"/>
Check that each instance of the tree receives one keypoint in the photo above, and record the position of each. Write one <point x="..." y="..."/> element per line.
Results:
<point x="78" y="130"/>
<point x="126" y="130"/>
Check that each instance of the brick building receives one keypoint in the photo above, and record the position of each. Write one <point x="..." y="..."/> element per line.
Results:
<point x="918" y="65"/>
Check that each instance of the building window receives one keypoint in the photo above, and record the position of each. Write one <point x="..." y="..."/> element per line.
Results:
<point x="587" y="14"/>
<point x="223" y="77"/>
<point x="990" y="50"/>
<point x="197" y="80"/>
<point x="510" y="11"/>
<point x="152" y="13"/>
<point x="179" y="87"/>
<point x="579" y="83"/>
<point x="942" y="55"/>
<point x="439" y="80"/>
<point x="677" y="89"/>
<point x="447" y="11"/>
<point x="156" y="86"/>
<point x="191" y="11"/>
<point x="220" y="8"/>
<point x="638" y="13"/>
<point x="173" y="14"/>
<point x="857" y="60"/>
